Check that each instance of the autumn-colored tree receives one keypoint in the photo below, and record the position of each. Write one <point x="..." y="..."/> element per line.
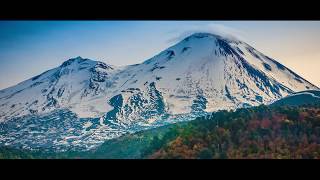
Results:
<point x="261" y="132"/>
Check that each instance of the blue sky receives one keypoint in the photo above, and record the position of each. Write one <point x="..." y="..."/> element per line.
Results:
<point x="28" y="48"/>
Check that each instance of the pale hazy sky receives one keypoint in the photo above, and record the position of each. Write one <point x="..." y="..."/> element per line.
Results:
<point x="28" y="48"/>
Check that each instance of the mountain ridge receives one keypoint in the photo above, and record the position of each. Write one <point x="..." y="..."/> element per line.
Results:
<point x="202" y="73"/>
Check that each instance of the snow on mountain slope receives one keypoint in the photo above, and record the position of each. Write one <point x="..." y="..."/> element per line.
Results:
<point x="76" y="84"/>
<point x="219" y="72"/>
<point x="202" y="73"/>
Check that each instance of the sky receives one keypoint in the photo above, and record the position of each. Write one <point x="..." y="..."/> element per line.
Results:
<point x="28" y="48"/>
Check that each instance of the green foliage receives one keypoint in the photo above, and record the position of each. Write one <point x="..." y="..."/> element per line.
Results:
<point x="129" y="146"/>
<point x="205" y="153"/>
<point x="259" y="132"/>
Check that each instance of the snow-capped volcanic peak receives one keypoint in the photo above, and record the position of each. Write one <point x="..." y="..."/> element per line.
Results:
<point x="200" y="74"/>
<point x="74" y="81"/>
<point x="226" y="72"/>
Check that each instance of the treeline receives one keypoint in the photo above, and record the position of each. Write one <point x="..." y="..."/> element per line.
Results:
<point x="259" y="132"/>
<point x="126" y="147"/>
<point x="9" y="153"/>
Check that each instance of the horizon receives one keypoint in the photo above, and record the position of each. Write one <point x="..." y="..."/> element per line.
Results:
<point x="28" y="48"/>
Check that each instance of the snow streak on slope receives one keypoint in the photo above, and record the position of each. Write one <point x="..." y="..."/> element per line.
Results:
<point x="227" y="74"/>
<point x="79" y="84"/>
<point x="200" y="74"/>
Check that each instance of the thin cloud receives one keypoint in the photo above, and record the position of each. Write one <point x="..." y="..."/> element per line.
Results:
<point x="213" y="28"/>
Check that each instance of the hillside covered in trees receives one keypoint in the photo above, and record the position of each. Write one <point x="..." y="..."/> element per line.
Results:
<point x="260" y="132"/>
<point x="276" y="132"/>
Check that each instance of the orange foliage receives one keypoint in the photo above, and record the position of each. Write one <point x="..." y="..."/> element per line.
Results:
<point x="286" y="138"/>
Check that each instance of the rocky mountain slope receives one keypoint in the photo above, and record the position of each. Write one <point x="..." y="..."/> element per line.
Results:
<point x="84" y="102"/>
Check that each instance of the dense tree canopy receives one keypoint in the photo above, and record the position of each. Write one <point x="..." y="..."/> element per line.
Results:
<point x="260" y="132"/>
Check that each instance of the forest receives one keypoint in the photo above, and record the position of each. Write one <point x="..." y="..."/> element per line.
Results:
<point x="263" y="132"/>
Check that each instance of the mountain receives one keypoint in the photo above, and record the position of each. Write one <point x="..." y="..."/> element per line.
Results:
<point x="83" y="102"/>
<point x="71" y="85"/>
<point x="205" y="72"/>
<point x="299" y="98"/>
